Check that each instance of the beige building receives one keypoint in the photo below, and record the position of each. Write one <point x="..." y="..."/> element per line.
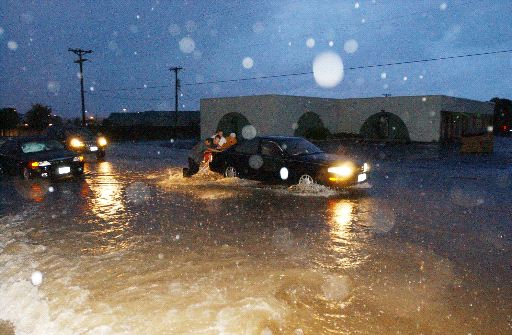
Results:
<point x="415" y="118"/>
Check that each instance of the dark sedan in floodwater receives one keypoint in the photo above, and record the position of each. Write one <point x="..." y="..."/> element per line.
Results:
<point x="289" y="160"/>
<point x="31" y="157"/>
<point x="79" y="140"/>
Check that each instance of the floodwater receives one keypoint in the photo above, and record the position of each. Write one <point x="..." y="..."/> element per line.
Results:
<point x="136" y="249"/>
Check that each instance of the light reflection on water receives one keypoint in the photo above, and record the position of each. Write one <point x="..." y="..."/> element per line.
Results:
<point x="106" y="202"/>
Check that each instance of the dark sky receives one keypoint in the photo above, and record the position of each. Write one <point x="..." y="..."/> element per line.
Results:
<point x="135" y="42"/>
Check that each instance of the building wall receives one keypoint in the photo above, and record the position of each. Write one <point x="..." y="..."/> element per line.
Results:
<point x="278" y="115"/>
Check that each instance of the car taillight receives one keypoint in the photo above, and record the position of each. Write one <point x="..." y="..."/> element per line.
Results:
<point x="33" y="165"/>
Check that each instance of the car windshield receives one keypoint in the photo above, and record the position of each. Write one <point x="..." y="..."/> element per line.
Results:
<point x="296" y="147"/>
<point x="38" y="146"/>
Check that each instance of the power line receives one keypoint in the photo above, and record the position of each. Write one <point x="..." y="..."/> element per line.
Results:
<point x="311" y="72"/>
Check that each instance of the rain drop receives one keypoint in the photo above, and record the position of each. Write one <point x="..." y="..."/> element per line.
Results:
<point x="12" y="45"/>
<point x="36" y="278"/>
<point x="258" y="27"/>
<point x="187" y="45"/>
<point x="248" y="62"/>
<point x="331" y="44"/>
<point x="249" y="132"/>
<point x="255" y="161"/>
<point x="357" y="5"/>
<point x="328" y="70"/>
<point x="351" y="46"/>
<point x="383" y="75"/>
<point x="174" y="29"/>
<point x="310" y="43"/>
<point x="283" y="173"/>
<point x="443" y="6"/>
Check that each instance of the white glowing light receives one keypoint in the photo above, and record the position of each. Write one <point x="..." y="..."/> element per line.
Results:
<point x="145" y="86"/>
<point x="443" y="6"/>
<point x="310" y="42"/>
<point x="174" y="29"/>
<point x="283" y="173"/>
<point x="328" y="70"/>
<point x="405" y="78"/>
<point x="249" y="132"/>
<point x="424" y="99"/>
<point x="138" y="17"/>
<point x="91" y="88"/>
<point x="248" y="62"/>
<point x="421" y="76"/>
<point x="12" y="45"/>
<point x="36" y="278"/>
<point x="357" y="5"/>
<point x="383" y="75"/>
<point x="160" y="256"/>
<point x="187" y="45"/>
<point x="363" y="20"/>
<point x="490" y="129"/>
<point x="331" y="44"/>
<point x="177" y="237"/>
<point x="295" y="125"/>
<point x="289" y="44"/>
<point x="51" y="189"/>
<point x="351" y="46"/>
<point x="385" y="86"/>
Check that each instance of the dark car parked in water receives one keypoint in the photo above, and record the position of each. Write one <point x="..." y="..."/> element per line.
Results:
<point x="288" y="160"/>
<point x="39" y="156"/>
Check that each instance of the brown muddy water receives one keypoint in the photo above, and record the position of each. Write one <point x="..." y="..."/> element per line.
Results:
<point x="136" y="249"/>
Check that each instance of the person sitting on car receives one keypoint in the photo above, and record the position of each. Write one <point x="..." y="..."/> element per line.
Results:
<point x="222" y="139"/>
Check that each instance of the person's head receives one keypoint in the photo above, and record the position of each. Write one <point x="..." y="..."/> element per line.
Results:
<point x="220" y="133"/>
<point x="232" y="135"/>
<point x="208" y="141"/>
<point x="216" y="140"/>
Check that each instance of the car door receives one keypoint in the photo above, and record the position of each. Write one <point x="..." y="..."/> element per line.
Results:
<point x="273" y="160"/>
<point x="242" y="158"/>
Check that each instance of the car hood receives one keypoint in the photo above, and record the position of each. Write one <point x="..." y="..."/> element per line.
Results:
<point x="49" y="155"/>
<point x="323" y="159"/>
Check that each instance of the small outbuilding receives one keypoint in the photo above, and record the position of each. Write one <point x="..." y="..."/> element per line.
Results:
<point x="429" y="118"/>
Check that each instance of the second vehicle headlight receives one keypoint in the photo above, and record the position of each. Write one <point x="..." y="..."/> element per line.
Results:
<point x="342" y="171"/>
<point x="102" y="141"/>
<point x="76" y="143"/>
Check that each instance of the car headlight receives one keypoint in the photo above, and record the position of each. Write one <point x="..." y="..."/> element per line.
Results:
<point x="342" y="170"/>
<point x="45" y="163"/>
<point x="76" y="143"/>
<point x="78" y="159"/>
<point x="366" y="167"/>
<point x="102" y="141"/>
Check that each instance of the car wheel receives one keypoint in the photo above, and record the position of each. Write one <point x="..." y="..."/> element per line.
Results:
<point x="306" y="179"/>
<point x="230" y="172"/>
<point x="26" y="174"/>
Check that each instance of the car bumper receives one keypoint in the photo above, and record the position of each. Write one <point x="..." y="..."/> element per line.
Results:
<point x="58" y="172"/>
<point x="358" y="179"/>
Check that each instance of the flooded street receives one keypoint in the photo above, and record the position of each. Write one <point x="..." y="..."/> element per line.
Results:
<point x="134" y="248"/>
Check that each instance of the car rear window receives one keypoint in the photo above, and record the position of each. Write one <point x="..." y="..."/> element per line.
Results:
<point x="38" y="146"/>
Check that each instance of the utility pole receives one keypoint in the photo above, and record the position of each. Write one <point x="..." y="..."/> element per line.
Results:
<point x="176" y="88"/>
<point x="80" y="60"/>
